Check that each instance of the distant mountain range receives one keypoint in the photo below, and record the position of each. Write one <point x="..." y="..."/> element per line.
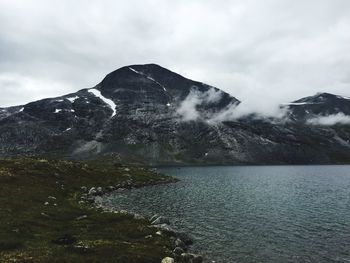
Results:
<point x="150" y="115"/>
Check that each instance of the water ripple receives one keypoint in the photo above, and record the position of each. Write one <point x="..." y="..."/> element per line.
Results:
<point x="255" y="214"/>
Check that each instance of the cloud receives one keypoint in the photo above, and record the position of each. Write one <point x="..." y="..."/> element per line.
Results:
<point x="188" y="107"/>
<point x="262" y="52"/>
<point x="339" y="118"/>
<point x="244" y="109"/>
<point x="14" y="86"/>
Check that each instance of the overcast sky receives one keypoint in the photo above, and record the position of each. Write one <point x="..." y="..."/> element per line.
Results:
<point x="263" y="52"/>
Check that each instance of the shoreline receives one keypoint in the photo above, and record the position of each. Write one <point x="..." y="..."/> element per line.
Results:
<point x="181" y="241"/>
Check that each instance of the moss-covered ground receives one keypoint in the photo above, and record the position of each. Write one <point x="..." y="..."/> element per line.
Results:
<point x="42" y="221"/>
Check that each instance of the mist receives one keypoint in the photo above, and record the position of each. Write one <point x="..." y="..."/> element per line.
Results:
<point x="188" y="108"/>
<point x="330" y="120"/>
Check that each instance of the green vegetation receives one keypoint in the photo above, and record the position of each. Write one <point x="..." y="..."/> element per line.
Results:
<point x="41" y="219"/>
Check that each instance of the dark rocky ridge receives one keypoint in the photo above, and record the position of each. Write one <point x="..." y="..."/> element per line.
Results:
<point x="145" y="127"/>
<point x="321" y="104"/>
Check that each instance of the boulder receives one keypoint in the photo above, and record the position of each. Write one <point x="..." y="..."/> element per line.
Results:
<point x="187" y="258"/>
<point x="154" y="217"/>
<point x="161" y="220"/>
<point x="138" y="217"/>
<point x="99" y="190"/>
<point x="98" y="200"/>
<point x="197" y="259"/>
<point x="185" y="238"/>
<point x="81" y="217"/>
<point x="111" y="188"/>
<point x="178" y="251"/>
<point x="168" y="260"/>
<point x="180" y="243"/>
<point x="166" y="229"/>
<point x="92" y="191"/>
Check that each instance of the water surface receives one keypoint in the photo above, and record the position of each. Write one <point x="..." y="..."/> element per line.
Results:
<point x="254" y="213"/>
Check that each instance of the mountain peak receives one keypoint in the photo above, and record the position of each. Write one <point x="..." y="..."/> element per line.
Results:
<point x="151" y="83"/>
<point x="321" y="97"/>
<point x="320" y="104"/>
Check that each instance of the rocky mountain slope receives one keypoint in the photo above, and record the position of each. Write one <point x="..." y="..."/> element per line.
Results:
<point x="150" y="115"/>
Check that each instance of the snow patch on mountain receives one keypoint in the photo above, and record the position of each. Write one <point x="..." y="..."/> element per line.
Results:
<point x="148" y="77"/>
<point x="109" y="102"/>
<point x="297" y="103"/>
<point x="134" y="70"/>
<point x="157" y="83"/>
<point x="72" y="99"/>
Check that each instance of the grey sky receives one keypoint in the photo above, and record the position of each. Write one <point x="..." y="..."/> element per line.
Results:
<point x="261" y="51"/>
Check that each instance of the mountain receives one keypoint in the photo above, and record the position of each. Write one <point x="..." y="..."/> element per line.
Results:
<point x="150" y="115"/>
<point x="321" y="104"/>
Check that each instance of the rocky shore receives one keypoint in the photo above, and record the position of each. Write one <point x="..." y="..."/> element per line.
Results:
<point x="180" y="241"/>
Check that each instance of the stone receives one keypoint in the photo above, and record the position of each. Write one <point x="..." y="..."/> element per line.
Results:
<point x="197" y="259"/>
<point x="65" y="240"/>
<point x="124" y="212"/>
<point x="168" y="260"/>
<point x="81" y="217"/>
<point x="185" y="238"/>
<point x="45" y="215"/>
<point x="154" y="217"/>
<point x="166" y="229"/>
<point x="161" y="220"/>
<point x="98" y="199"/>
<point x="180" y="243"/>
<point x="99" y="190"/>
<point x="111" y="188"/>
<point x="186" y="257"/>
<point x="178" y="251"/>
<point x="92" y="191"/>
<point x="138" y="217"/>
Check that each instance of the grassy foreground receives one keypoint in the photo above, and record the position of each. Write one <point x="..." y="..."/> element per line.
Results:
<point x="41" y="219"/>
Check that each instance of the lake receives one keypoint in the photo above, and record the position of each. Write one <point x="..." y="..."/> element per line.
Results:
<point x="254" y="213"/>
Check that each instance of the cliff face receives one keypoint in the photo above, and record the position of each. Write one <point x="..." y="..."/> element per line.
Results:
<point x="150" y="115"/>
